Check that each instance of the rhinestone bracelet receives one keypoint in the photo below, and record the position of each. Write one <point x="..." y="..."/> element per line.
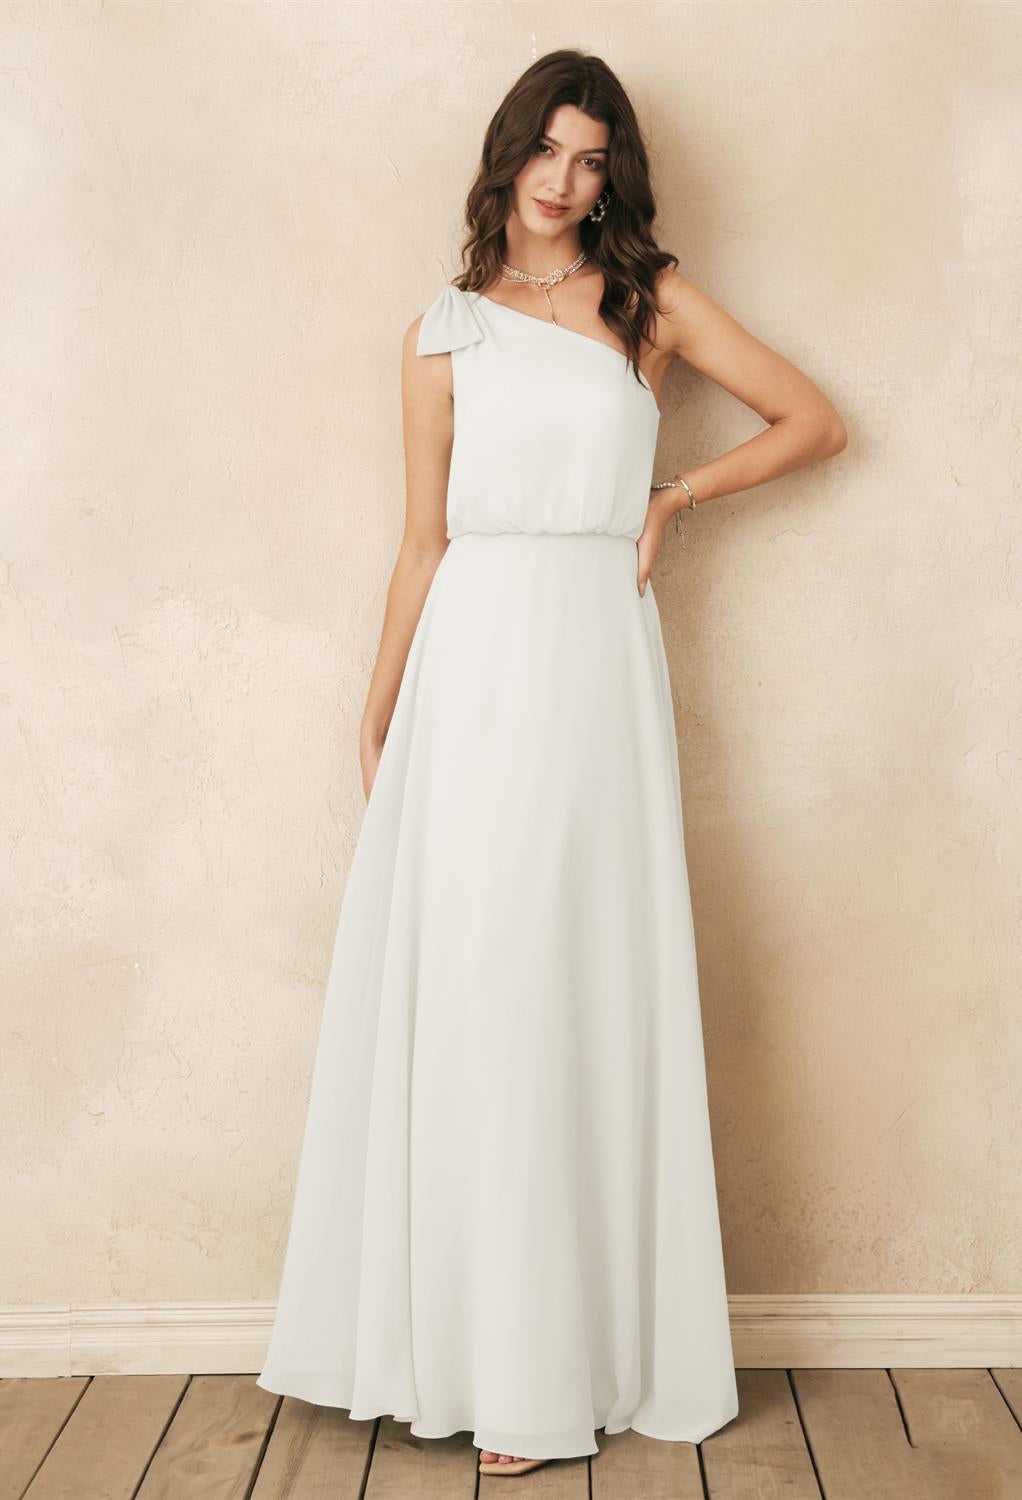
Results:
<point x="667" y="484"/>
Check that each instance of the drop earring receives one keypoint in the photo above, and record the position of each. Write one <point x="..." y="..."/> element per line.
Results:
<point x="601" y="204"/>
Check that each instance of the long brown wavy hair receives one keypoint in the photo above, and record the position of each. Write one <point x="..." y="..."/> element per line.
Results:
<point x="622" y="243"/>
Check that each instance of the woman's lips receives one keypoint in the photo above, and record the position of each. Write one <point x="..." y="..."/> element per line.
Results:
<point x="552" y="211"/>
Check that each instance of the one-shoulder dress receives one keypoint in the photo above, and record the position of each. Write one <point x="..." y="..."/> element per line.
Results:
<point x="505" y="1216"/>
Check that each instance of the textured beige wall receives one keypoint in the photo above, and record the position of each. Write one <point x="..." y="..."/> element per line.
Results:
<point x="219" y="218"/>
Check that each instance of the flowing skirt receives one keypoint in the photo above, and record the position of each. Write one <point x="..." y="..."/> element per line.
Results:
<point x="505" y="1218"/>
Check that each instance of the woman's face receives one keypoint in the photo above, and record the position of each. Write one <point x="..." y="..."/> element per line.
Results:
<point x="567" y="169"/>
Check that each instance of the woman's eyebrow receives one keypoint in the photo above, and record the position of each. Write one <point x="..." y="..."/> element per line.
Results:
<point x="591" y="151"/>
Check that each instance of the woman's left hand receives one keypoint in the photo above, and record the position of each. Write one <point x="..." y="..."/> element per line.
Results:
<point x="648" y="544"/>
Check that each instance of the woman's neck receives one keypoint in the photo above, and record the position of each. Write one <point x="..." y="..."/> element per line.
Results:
<point x="535" y="254"/>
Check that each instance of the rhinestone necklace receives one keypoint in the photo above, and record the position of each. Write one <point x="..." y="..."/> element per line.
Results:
<point x="509" y="273"/>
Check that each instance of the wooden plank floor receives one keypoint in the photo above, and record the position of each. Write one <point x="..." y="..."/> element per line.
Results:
<point x="912" y="1434"/>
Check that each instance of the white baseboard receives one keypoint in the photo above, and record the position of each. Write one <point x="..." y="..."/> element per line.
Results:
<point x="864" y="1331"/>
<point x="817" y="1332"/>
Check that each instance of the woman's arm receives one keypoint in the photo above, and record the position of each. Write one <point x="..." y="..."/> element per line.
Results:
<point x="805" y="427"/>
<point x="427" y="406"/>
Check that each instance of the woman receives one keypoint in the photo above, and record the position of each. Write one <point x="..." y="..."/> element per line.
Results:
<point x="505" y="1218"/>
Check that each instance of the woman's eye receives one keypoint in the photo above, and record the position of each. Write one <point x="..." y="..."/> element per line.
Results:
<point x="593" y="161"/>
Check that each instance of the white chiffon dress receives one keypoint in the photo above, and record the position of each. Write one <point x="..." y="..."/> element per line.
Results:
<point x="505" y="1216"/>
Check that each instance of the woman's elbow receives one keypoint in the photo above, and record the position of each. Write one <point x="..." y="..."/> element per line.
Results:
<point x="836" y="435"/>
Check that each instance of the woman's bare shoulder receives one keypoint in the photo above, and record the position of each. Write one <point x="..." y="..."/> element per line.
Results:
<point x="689" y="319"/>
<point x="677" y="295"/>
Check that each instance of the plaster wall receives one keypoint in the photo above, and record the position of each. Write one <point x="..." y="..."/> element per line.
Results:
<point x="218" y="221"/>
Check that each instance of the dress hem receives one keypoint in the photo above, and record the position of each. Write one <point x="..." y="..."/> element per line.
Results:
<point x="565" y="1444"/>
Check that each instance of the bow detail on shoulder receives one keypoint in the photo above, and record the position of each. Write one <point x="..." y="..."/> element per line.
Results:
<point x="448" y="323"/>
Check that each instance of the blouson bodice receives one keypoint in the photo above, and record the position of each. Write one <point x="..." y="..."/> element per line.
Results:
<point x="552" y="431"/>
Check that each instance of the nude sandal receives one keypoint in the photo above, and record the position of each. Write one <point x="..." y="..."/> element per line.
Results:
<point x="519" y="1466"/>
